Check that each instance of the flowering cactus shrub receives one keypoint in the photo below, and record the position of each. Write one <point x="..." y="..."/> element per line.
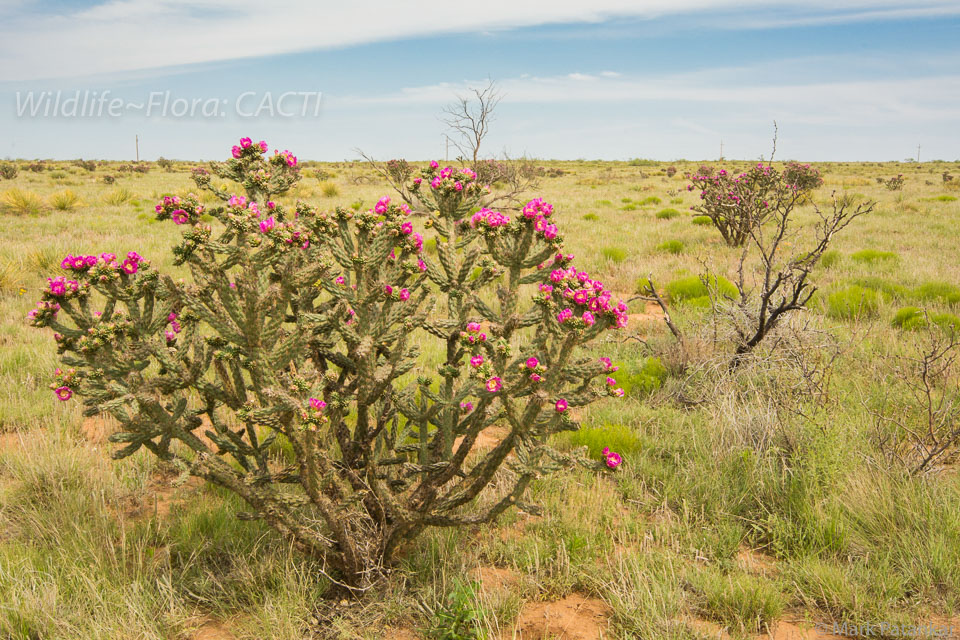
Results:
<point x="737" y="204"/>
<point x="289" y="370"/>
<point x="803" y="176"/>
<point x="895" y="183"/>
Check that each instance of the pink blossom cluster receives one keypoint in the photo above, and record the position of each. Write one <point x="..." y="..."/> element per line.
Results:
<point x="473" y="334"/>
<point x="78" y="263"/>
<point x="64" y="381"/>
<point x="284" y="158"/>
<point x="180" y="211"/>
<point x="171" y="333"/>
<point x="247" y="143"/>
<point x="486" y="218"/>
<point x="447" y="180"/>
<point x="60" y="287"/>
<point x="44" y="313"/>
<point x="588" y="298"/>
<point x="533" y="368"/>
<point x="612" y="458"/>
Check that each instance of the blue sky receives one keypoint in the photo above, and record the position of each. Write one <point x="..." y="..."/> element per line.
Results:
<point x="664" y="79"/>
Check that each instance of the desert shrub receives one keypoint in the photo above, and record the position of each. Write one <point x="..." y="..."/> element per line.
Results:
<point x="108" y="179"/>
<point x="852" y="303"/>
<point x="58" y="175"/>
<point x="830" y="258"/>
<point x="304" y="327"/>
<point x="702" y="221"/>
<point x="590" y="217"/>
<point x="37" y="167"/>
<point x="671" y="171"/>
<point x="697" y="288"/>
<point x="893" y="184"/>
<point x="9" y="170"/>
<point x="946" y="176"/>
<point x="399" y="170"/>
<point x="667" y="214"/>
<point x="118" y="196"/>
<point x="948" y="321"/>
<point x="141" y="167"/>
<point x="937" y="291"/>
<point x="164" y="163"/>
<point x="671" y="246"/>
<point x="614" y="254"/>
<point x="802" y="176"/>
<point x="21" y="202"/>
<point x="616" y="437"/>
<point x="329" y="189"/>
<point x="870" y="256"/>
<point x="650" y="200"/>
<point x="86" y="165"/>
<point x="738" y="204"/>
<point x="64" y="200"/>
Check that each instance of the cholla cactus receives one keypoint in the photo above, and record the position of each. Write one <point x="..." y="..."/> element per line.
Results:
<point x="738" y="204"/>
<point x="290" y="366"/>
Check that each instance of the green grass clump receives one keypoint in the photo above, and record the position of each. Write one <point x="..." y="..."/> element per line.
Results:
<point x="651" y="200"/>
<point x="614" y="254"/>
<point x="702" y="221"/>
<point x="618" y="437"/>
<point x="852" y="302"/>
<point x="909" y="318"/>
<point x="640" y="377"/>
<point x="743" y="602"/>
<point x="20" y="202"/>
<point x="329" y="189"/>
<point x="671" y="246"/>
<point x="629" y="207"/>
<point x="946" y="198"/>
<point x="886" y="288"/>
<point x="694" y="289"/>
<point x="591" y="217"/>
<point x="65" y="200"/>
<point x="604" y="203"/>
<point x="667" y="214"/>
<point x="830" y="258"/>
<point x="870" y="256"/>
<point x="937" y="291"/>
<point x="118" y="196"/>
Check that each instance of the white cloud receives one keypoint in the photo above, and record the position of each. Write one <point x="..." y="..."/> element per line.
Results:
<point x="844" y="102"/>
<point x="125" y="35"/>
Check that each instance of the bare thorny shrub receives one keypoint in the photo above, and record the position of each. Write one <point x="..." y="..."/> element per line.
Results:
<point x="916" y="407"/>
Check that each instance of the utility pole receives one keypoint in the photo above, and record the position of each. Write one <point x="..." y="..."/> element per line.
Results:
<point x="137" y="142"/>
<point x="918" y="154"/>
<point x="446" y="154"/>
<point x="721" y="148"/>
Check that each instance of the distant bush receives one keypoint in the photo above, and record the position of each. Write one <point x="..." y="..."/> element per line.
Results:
<point x="20" y="202"/>
<point x="86" y="165"/>
<point x="667" y="214"/>
<point x="614" y="254"/>
<point x="134" y="168"/>
<point x="64" y="200"/>
<point x="650" y="200"/>
<point x="671" y="171"/>
<point x="671" y="246"/>
<point x="852" y="303"/>
<point x="329" y="189"/>
<point x="702" y="221"/>
<point x="830" y="258"/>
<point x="9" y="170"/>
<point x="629" y="207"/>
<point x="871" y="256"/>
<point x="591" y="216"/>
<point x="893" y="184"/>
<point x="694" y="289"/>
<point x="108" y="179"/>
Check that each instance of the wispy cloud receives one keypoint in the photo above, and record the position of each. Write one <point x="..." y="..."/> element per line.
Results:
<point x="844" y="102"/>
<point x="125" y="35"/>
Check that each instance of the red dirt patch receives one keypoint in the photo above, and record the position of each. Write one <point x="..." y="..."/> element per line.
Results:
<point x="495" y="578"/>
<point x="575" y="617"/>
<point x="10" y="441"/>
<point x="486" y="439"/>
<point x="756" y="562"/>
<point x="786" y="630"/>
<point x="212" y="630"/>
